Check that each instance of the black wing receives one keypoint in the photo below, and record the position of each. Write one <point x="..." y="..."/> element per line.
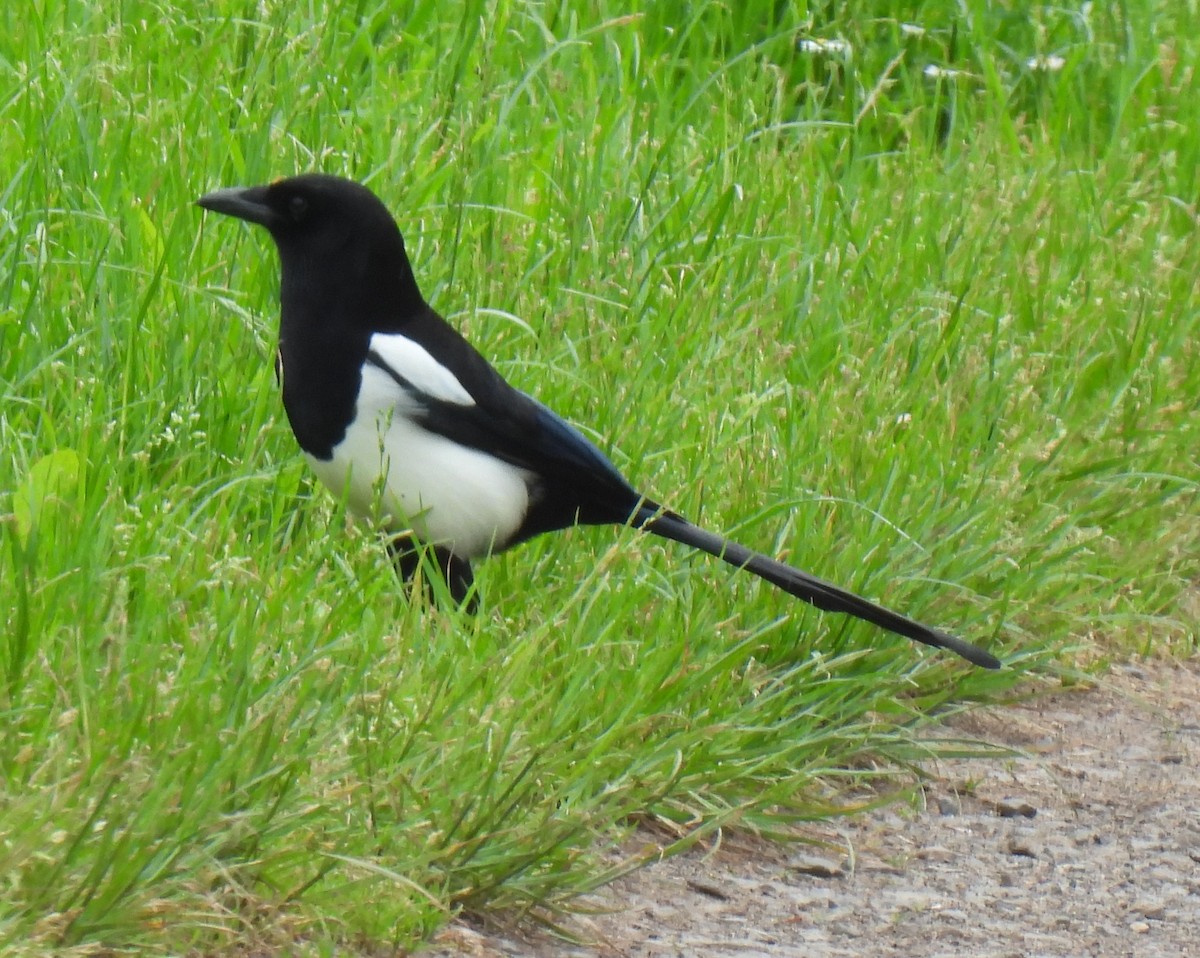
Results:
<point x="571" y="480"/>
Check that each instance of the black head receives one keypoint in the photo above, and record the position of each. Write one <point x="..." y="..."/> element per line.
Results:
<point x="330" y="232"/>
<point x="308" y="208"/>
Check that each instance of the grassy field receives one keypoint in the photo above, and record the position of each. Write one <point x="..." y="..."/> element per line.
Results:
<point x="907" y="299"/>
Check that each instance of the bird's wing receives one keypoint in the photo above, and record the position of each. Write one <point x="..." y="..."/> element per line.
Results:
<point x="495" y="418"/>
<point x="414" y="369"/>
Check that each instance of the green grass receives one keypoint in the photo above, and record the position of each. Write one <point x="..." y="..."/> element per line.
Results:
<point x="932" y="336"/>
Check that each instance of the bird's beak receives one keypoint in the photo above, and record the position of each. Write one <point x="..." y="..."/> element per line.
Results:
<point x="247" y="203"/>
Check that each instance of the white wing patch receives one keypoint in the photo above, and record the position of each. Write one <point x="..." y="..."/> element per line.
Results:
<point x="402" y="476"/>
<point x="413" y="363"/>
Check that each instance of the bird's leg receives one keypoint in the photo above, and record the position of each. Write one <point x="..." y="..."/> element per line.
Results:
<point x="459" y="578"/>
<point x="407" y="554"/>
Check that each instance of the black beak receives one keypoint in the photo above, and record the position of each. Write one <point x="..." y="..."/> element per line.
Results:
<point x="247" y="203"/>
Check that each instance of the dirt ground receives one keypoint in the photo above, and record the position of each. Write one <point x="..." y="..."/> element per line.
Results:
<point x="1087" y="843"/>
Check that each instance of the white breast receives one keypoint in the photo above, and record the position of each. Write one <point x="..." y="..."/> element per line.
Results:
<point x="403" y="477"/>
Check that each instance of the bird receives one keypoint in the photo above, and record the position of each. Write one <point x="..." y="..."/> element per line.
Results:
<point x="396" y="412"/>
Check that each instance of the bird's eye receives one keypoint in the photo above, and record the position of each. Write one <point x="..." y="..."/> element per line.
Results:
<point x="298" y="207"/>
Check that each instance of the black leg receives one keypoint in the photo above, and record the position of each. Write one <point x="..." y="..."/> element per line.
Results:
<point x="406" y="554"/>
<point x="459" y="578"/>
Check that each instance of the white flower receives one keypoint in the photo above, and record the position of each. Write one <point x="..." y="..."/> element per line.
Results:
<point x="1047" y="64"/>
<point x="835" y="47"/>
<point x="935" y="72"/>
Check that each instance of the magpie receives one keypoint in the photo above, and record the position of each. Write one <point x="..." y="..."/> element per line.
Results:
<point x="399" y="414"/>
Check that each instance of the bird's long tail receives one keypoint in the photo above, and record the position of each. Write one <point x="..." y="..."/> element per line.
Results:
<point x="824" y="595"/>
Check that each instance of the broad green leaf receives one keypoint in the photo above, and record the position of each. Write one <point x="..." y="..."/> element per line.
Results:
<point x="46" y="490"/>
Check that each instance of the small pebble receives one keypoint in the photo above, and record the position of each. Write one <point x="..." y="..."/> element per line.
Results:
<point x="816" y="867"/>
<point x="704" y="888"/>
<point x="1022" y="847"/>
<point x="1015" y="808"/>
<point x="1088" y="836"/>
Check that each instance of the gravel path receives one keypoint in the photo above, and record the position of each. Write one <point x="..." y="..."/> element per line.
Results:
<point x="1086" y="844"/>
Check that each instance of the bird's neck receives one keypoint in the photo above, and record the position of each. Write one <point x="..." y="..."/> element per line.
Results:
<point x="324" y="333"/>
<point x="328" y="297"/>
<point x="330" y="309"/>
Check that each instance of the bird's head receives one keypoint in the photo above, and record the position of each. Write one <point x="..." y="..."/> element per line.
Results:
<point x="326" y="227"/>
<point x="311" y="212"/>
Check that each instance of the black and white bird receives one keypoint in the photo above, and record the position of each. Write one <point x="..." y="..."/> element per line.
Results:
<point x="398" y="413"/>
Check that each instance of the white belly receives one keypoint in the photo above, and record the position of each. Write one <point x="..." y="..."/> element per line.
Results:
<point x="402" y="477"/>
